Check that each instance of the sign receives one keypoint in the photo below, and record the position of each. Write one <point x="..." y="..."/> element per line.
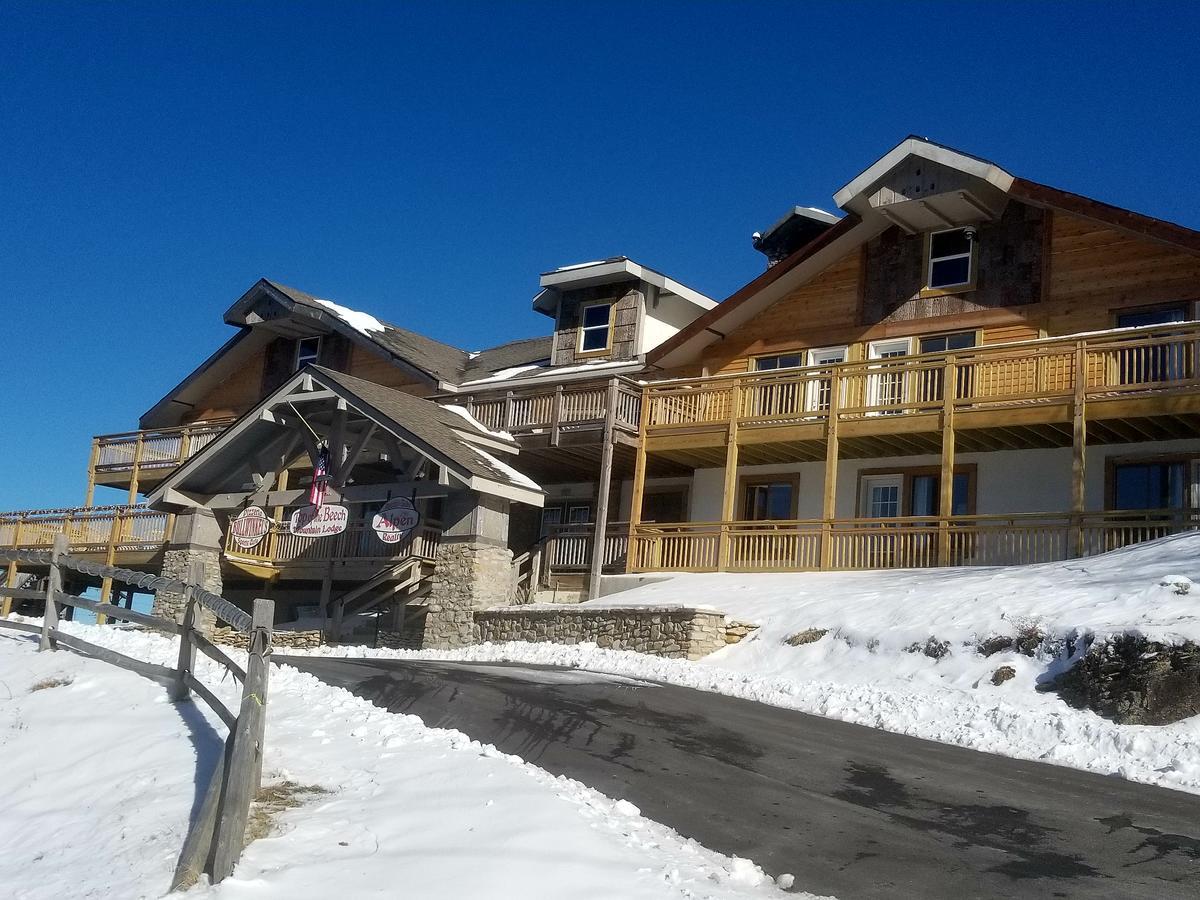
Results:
<point x="250" y="527"/>
<point x="319" y="521"/>
<point x="397" y="518"/>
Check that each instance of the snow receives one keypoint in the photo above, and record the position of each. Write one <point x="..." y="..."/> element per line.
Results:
<point x="504" y="374"/>
<point x="514" y="476"/>
<point x="582" y="265"/>
<point x="476" y="424"/>
<point x="447" y="815"/>
<point x="862" y="670"/>
<point x="362" y="322"/>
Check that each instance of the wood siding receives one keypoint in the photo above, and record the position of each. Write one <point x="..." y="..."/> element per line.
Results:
<point x="1079" y="274"/>
<point x="370" y="365"/>
<point x="234" y="395"/>
<point x="627" y="310"/>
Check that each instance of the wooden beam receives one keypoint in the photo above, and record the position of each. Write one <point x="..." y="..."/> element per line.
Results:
<point x="137" y="462"/>
<point x="605" y="487"/>
<point x="729" y="499"/>
<point x="829" y="499"/>
<point x="1079" y="449"/>
<point x="946" y="484"/>
<point x="639" y="482"/>
<point x="353" y="454"/>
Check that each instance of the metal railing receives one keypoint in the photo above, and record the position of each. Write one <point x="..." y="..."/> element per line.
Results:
<point x="1115" y="363"/>
<point x="896" y="543"/>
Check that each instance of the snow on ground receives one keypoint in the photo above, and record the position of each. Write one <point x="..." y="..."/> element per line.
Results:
<point x="426" y="811"/>
<point x="862" y="670"/>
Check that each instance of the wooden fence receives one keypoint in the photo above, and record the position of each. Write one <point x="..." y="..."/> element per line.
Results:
<point x="215" y="840"/>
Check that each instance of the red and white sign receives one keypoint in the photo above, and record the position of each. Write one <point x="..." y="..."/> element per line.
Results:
<point x="319" y="521"/>
<point x="250" y="527"/>
<point x="397" y="518"/>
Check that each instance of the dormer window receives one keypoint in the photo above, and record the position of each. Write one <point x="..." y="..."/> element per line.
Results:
<point x="951" y="259"/>
<point x="308" y="351"/>
<point x="595" y="328"/>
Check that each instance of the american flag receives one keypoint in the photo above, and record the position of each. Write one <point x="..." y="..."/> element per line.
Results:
<point x="320" y="484"/>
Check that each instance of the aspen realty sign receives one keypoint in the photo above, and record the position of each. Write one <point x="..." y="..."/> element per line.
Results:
<point x="319" y="521"/>
<point x="397" y="518"/>
<point x="250" y="527"/>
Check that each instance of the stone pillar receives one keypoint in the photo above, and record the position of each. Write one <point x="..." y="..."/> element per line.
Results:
<point x="472" y="569"/>
<point x="196" y="536"/>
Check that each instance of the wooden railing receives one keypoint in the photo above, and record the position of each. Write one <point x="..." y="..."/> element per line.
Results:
<point x="279" y="547"/>
<point x="897" y="543"/>
<point x="162" y="448"/>
<point x="88" y="529"/>
<point x="1113" y="363"/>
<point x="553" y="407"/>
<point x="568" y="548"/>
<point x="217" y="835"/>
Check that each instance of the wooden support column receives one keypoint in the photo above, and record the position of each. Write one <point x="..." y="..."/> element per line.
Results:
<point x="632" y="559"/>
<point x="1079" y="452"/>
<point x="92" y="460"/>
<point x="729" y="498"/>
<point x="556" y="415"/>
<point x="137" y="462"/>
<point x="605" y="487"/>
<point x="110" y="559"/>
<point x="946" y="482"/>
<point x="10" y="579"/>
<point x="829" y="499"/>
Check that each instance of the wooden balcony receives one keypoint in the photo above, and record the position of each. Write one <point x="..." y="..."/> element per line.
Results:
<point x="358" y="547"/>
<point x="1136" y="384"/>
<point x="568" y="548"/>
<point x="126" y="535"/>
<point x="138" y="459"/>
<point x="556" y="410"/>
<point x="896" y="543"/>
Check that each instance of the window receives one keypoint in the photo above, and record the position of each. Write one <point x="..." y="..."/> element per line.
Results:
<point x="768" y="499"/>
<point x="595" y="327"/>
<point x="579" y="515"/>
<point x="1151" y="485"/>
<point x="820" y="390"/>
<point x="951" y="259"/>
<point x="932" y="380"/>
<point x="881" y="496"/>
<point x="776" y="399"/>
<point x="308" y="351"/>
<point x="917" y="492"/>
<point x="551" y="518"/>
<point x="888" y="380"/>
<point x="782" y="361"/>
<point x="665" y="505"/>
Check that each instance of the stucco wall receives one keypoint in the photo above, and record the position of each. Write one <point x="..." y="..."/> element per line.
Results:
<point x="1007" y="482"/>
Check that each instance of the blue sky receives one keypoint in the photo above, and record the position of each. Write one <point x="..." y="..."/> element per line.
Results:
<point x="427" y="163"/>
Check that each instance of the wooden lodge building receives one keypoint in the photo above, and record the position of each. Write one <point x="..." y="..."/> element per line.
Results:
<point x="963" y="367"/>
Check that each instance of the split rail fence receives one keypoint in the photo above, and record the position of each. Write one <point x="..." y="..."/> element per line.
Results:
<point x="215" y="840"/>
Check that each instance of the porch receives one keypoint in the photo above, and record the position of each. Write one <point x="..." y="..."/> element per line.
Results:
<point x="140" y="459"/>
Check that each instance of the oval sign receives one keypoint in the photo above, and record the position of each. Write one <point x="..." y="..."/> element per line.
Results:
<point x="250" y="527"/>
<point x="319" y="521"/>
<point x="397" y="518"/>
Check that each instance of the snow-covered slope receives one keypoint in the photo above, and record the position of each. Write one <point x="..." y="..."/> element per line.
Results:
<point x="864" y="670"/>
<point x="409" y="810"/>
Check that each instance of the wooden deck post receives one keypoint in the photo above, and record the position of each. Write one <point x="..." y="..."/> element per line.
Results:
<point x="556" y="415"/>
<point x="639" y="482"/>
<point x="92" y="460"/>
<point x="137" y="463"/>
<point x="946" y="482"/>
<point x="110" y="558"/>
<point x="829" y="500"/>
<point x="10" y="579"/>
<point x="729" y="498"/>
<point x="605" y="487"/>
<point x="1079" y="452"/>
<point x="245" y="763"/>
<point x="508" y="412"/>
<point x="54" y="586"/>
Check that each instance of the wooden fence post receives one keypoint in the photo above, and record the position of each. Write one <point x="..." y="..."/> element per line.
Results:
<point x="245" y="765"/>
<point x="54" y="585"/>
<point x="187" y="648"/>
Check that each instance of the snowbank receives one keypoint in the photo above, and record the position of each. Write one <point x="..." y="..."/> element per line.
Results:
<point x="864" y="668"/>
<point x="444" y="815"/>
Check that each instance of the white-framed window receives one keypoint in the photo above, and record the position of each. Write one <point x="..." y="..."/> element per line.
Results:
<point x="821" y="389"/>
<point x="579" y="515"/>
<point x="882" y="496"/>
<point x="595" y="327"/>
<point x="888" y="382"/>
<point x="779" y="361"/>
<point x="308" y="351"/>
<point x="951" y="258"/>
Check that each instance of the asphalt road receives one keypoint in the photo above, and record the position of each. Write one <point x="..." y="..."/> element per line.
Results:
<point x="848" y="810"/>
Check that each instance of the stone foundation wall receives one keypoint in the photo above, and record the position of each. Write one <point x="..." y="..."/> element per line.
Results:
<point x="176" y="560"/>
<point x="279" y="639"/>
<point x="659" y="631"/>
<point x="467" y="576"/>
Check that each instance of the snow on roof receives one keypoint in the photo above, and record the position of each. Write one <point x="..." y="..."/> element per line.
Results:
<point x="517" y="478"/>
<point x="505" y="374"/>
<point x="359" y="321"/>
<point x="461" y="411"/>
<point x="582" y="265"/>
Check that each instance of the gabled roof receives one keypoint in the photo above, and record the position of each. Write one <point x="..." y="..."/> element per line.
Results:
<point x="864" y="220"/>
<point x="609" y="271"/>
<point x="453" y="441"/>
<point x="527" y="352"/>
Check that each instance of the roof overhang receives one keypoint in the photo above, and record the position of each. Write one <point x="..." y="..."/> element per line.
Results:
<point x="610" y="271"/>
<point x="315" y="404"/>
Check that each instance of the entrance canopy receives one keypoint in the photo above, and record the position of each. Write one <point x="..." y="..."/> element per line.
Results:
<point x="378" y="442"/>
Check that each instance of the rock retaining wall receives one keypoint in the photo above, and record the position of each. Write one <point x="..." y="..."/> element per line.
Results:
<point x="279" y="639"/>
<point x="659" y="631"/>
